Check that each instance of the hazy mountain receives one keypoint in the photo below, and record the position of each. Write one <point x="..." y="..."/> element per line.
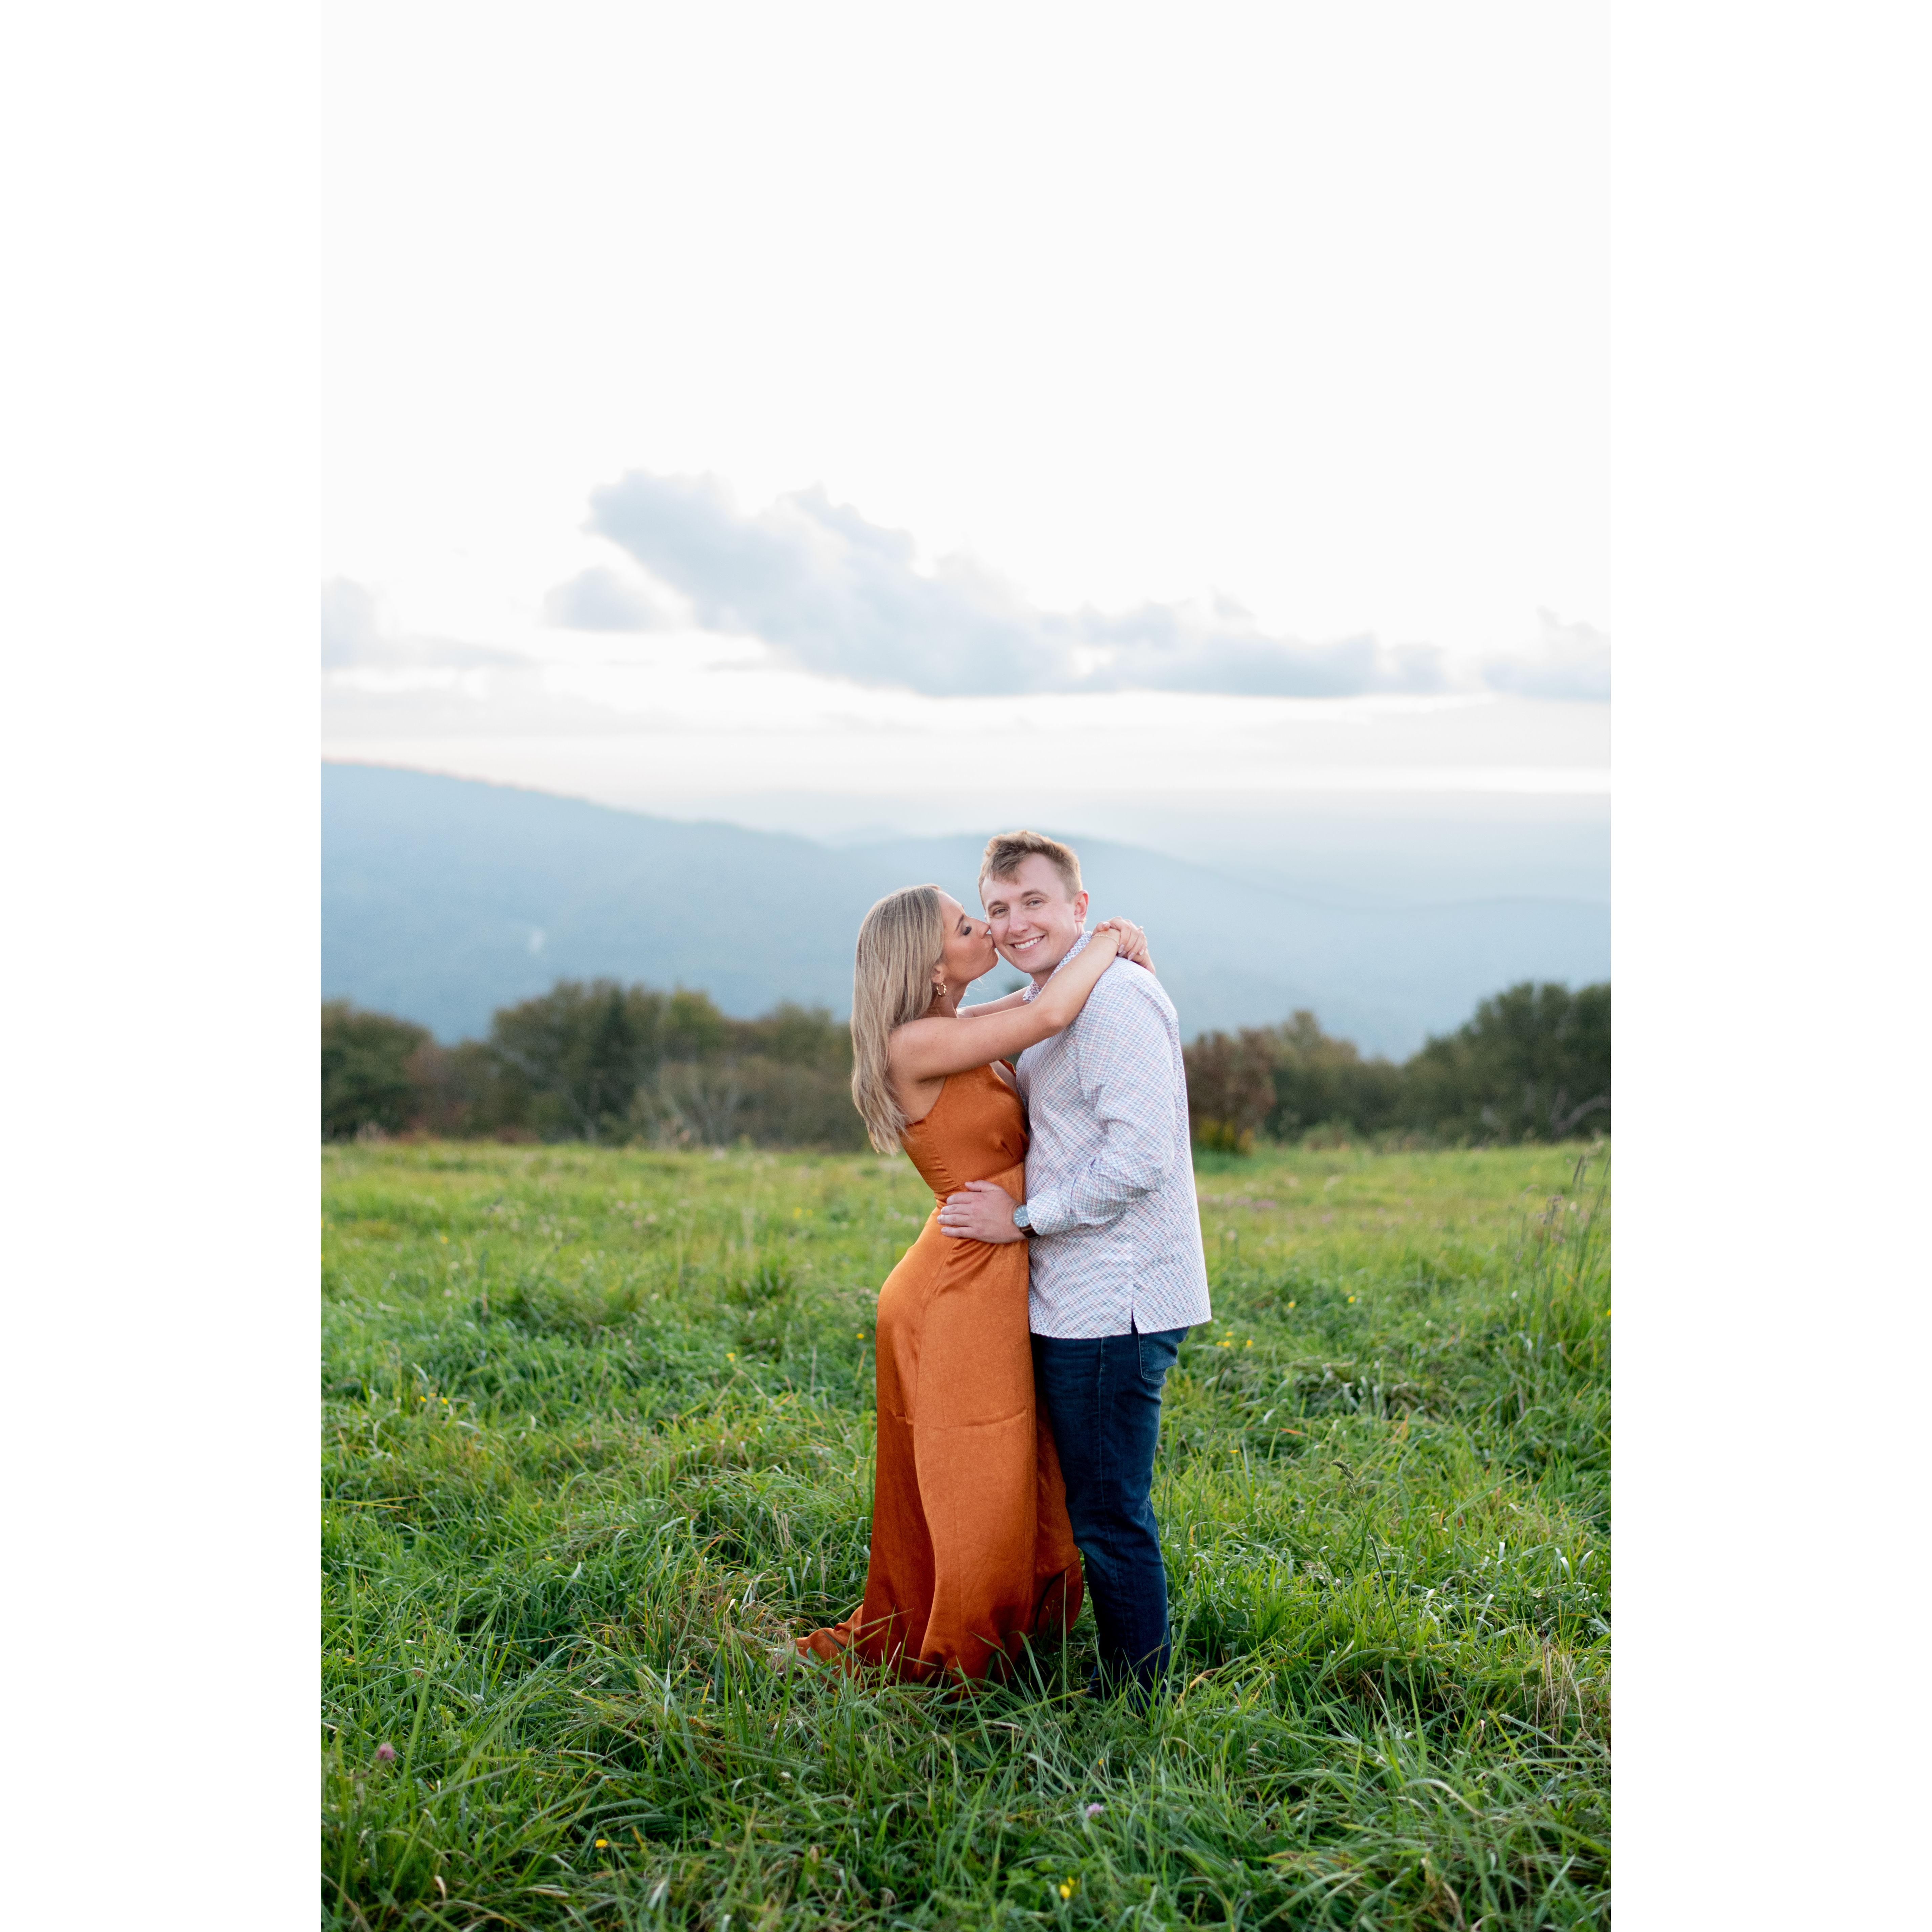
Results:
<point x="443" y="898"/>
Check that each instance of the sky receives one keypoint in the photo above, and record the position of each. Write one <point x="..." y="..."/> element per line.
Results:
<point x="1180" y="426"/>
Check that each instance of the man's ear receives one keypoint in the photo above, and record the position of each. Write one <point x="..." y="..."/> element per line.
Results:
<point x="1080" y="908"/>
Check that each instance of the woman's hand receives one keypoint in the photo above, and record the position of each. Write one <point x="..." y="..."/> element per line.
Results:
<point x="1132" y="939"/>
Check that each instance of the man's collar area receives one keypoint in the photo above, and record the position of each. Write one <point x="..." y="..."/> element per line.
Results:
<point x="1036" y="987"/>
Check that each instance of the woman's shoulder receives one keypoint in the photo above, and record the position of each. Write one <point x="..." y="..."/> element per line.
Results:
<point x="911" y="1030"/>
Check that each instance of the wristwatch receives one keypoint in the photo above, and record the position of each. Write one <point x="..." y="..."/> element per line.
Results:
<point x="1021" y="1219"/>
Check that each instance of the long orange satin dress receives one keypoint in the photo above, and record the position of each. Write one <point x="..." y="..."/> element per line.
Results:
<point x="972" y="1552"/>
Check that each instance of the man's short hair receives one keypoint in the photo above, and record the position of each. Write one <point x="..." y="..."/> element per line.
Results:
<point x="1005" y="850"/>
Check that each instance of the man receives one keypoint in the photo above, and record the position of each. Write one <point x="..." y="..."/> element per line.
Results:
<point x="1117" y="1274"/>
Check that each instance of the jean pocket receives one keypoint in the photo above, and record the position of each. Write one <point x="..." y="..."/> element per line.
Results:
<point x="1158" y="1354"/>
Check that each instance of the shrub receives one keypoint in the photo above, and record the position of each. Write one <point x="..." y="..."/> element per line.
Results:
<point x="1230" y="1088"/>
<point x="365" y="1077"/>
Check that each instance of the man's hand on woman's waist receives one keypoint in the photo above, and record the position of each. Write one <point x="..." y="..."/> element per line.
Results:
<point x="981" y="1211"/>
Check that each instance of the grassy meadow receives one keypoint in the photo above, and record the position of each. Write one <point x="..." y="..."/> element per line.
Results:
<point x="597" y="1436"/>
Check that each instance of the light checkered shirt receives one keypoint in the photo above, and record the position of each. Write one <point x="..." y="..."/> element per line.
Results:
<point x="1110" y="1172"/>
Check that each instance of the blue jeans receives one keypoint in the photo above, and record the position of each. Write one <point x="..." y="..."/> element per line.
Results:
<point x="1102" y="1395"/>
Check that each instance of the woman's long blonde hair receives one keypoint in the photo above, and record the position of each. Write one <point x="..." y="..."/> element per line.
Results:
<point x="899" y="944"/>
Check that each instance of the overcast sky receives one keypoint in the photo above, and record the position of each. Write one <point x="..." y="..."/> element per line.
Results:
<point x="1037" y="406"/>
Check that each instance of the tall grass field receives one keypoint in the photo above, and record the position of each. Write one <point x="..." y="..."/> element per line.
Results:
<point x="597" y="1437"/>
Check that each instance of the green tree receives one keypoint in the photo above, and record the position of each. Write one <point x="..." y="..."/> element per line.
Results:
<point x="365" y="1070"/>
<point x="572" y="1059"/>
<point x="1533" y="1064"/>
<point x="689" y="1026"/>
<point x="1322" y="1082"/>
<point x="781" y="1080"/>
<point x="796" y="1036"/>
<point x="460" y="1090"/>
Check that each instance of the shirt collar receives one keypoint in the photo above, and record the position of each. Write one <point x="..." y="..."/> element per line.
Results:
<point x="1036" y="987"/>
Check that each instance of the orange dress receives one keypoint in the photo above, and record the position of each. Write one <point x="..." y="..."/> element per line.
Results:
<point x="972" y="1552"/>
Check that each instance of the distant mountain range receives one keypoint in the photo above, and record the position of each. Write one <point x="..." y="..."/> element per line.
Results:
<point x="443" y="898"/>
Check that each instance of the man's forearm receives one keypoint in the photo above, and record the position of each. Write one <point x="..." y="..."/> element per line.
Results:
<point x="1101" y="1192"/>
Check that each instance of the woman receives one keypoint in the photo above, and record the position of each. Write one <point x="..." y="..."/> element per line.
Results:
<point x="972" y="1553"/>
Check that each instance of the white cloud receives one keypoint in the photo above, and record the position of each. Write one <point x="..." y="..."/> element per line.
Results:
<point x="831" y="592"/>
<point x="598" y="599"/>
<point x="1573" y="661"/>
<point x="353" y="636"/>
<point x="348" y="625"/>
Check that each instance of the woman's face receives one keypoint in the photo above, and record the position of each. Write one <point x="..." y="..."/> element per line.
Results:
<point x="968" y="951"/>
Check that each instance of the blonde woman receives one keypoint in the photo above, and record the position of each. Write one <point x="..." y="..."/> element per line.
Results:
<point x="972" y="1553"/>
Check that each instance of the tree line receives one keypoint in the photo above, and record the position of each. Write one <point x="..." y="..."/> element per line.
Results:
<point x="602" y="1062"/>
<point x="598" y="1062"/>
<point x="1532" y="1064"/>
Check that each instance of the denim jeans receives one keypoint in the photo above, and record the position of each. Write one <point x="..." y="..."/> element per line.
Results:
<point x="1102" y="1395"/>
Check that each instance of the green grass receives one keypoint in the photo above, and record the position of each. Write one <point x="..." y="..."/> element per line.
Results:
<point x="597" y="1434"/>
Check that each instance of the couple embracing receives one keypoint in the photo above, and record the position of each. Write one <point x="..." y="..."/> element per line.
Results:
<point x="1023" y="1340"/>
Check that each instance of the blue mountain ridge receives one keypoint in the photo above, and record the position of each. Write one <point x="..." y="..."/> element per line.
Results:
<point x="443" y="898"/>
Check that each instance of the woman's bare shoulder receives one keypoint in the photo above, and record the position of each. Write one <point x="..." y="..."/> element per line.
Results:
<point x="921" y="1028"/>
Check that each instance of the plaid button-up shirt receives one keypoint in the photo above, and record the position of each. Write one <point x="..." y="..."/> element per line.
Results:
<point x="1110" y="1171"/>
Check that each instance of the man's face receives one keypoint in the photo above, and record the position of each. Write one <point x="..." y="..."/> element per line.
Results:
<point x="1033" y="919"/>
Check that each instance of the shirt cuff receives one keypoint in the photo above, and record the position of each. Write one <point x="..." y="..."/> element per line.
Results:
<point x="1047" y="1213"/>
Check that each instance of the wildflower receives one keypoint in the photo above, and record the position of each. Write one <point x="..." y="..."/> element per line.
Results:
<point x="385" y="1753"/>
<point x="1249" y="1343"/>
<point x="1094" y="1811"/>
<point x="1067" y="1888"/>
<point x="730" y="1355"/>
<point x="1291" y="1304"/>
<point x="602" y="1843"/>
<point x="1352" y="1300"/>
